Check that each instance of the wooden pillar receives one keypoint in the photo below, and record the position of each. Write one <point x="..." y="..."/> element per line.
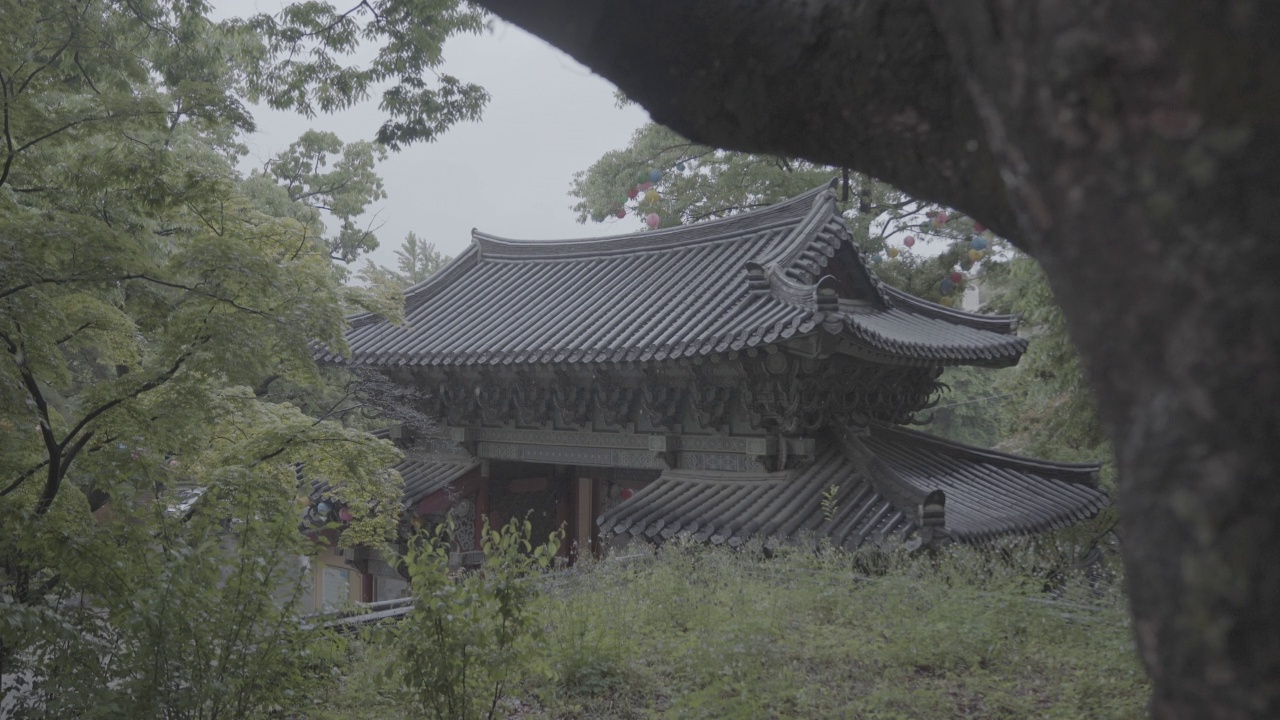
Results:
<point x="482" y="505"/>
<point x="583" y="508"/>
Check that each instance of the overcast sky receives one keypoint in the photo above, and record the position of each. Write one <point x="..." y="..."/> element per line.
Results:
<point x="509" y="173"/>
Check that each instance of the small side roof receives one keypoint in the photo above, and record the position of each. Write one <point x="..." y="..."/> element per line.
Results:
<point x="724" y="285"/>
<point x="881" y="474"/>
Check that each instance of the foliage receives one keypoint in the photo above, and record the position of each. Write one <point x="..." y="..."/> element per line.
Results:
<point x="202" y="625"/>
<point x="296" y="182"/>
<point x="701" y="183"/>
<point x="293" y="61"/>
<point x="158" y="314"/>
<point x="700" y="632"/>
<point x="416" y="260"/>
<point x="715" y="633"/>
<point x="467" y="636"/>
<point x="1058" y="416"/>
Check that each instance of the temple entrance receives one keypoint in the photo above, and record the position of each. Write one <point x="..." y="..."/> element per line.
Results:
<point x="563" y="497"/>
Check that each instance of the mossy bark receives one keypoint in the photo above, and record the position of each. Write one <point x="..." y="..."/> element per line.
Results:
<point x="1134" y="149"/>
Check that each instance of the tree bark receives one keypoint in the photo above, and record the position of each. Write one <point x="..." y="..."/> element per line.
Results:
<point x="1133" y="148"/>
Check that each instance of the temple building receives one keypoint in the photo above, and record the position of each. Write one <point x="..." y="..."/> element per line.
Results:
<point x="738" y="378"/>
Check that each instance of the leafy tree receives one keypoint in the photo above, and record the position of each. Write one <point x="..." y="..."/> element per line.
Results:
<point x="416" y="260"/>
<point x="153" y="306"/>
<point x="297" y="181"/>
<point x="292" y="60"/>
<point x="468" y="637"/>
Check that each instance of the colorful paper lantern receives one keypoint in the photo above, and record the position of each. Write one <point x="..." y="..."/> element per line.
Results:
<point x="344" y="515"/>
<point x="655" y="175"/>
<point x="956" y="278"/>
<point x="642" y="176"/>
<point x="620" y="213"/>
<point x="633" y="192"/>
<point x="978" y="243"/>
<point x="680" y="166"/>
<point x="975" y="255"/>
<point x="892" y="252"/>
<point x="627" y="493"/>
<point x="946" y="286"/>
<point x="909" y="241"/>
<point x="651" y="196"/>
<point x="652" y="220"/>
<point x="940" y="218"/>
<point x="323" y="507"/>
<point x="979" y="227"/>
<point x="645" y="185"/>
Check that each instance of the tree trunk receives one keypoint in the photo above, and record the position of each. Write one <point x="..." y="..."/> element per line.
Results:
<point x="1134" y="149"/>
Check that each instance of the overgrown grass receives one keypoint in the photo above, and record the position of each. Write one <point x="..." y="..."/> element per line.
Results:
<point x="693" y="632"/>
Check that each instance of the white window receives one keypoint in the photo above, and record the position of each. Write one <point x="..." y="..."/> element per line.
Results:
<point x="336" y="586"/>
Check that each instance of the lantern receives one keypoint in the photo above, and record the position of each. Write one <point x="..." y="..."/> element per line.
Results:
<point x="975" y="255"/>
<point x="633" y="192"/>
<point x="651" y="196"/>
<point x="979" y="227"/>
<point x="892" y="252"/>
<point x="344" y="515"/>
<point x="680" y="166"/>
<point x="946" y="286"/>
<point x="655" y="175"/>
<point x="909" y="241"/>
<point x="621" y="213"/>
<point x="645" y="185"/>
<point x="978" y="243"/>
<point x="652" y="220"/>
<point x="940" y="218"/>
<point x="627" y="493"/>
<point x="323" y="507"/>
<point x="642" y="176"/>
<point x="956" y="277"/>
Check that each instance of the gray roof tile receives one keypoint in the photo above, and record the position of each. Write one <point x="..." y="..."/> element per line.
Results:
<point x="670" y="293"/>
<point x="881" y="475"/>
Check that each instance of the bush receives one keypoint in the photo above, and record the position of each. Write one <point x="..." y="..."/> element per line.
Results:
<point x="468" y="634"/>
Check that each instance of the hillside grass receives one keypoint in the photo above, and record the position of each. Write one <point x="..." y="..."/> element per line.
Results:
<point x="696" y="632"/>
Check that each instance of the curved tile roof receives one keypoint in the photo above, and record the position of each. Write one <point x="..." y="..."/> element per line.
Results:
<point x="882" y="476"/>
<point x="724" y="285"/>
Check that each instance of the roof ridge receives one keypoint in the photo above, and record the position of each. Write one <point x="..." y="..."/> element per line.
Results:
<point x="1002" y="324"/>
<point x="1077" y="473"/>
<point x="493" y="246"/>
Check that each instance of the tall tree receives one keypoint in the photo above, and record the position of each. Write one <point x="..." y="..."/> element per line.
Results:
<point x="1132" y="148"/>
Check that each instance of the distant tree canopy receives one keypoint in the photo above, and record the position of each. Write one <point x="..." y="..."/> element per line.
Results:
<point x="416" y="260"/>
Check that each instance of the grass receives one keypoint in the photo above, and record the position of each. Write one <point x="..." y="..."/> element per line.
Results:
<point x="694" y="632"/>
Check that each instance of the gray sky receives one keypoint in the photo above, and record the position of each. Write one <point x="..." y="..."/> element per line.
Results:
<point x="509" y="173"/>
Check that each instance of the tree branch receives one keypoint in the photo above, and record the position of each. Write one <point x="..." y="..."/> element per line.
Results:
<point x="746" y="82"/>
